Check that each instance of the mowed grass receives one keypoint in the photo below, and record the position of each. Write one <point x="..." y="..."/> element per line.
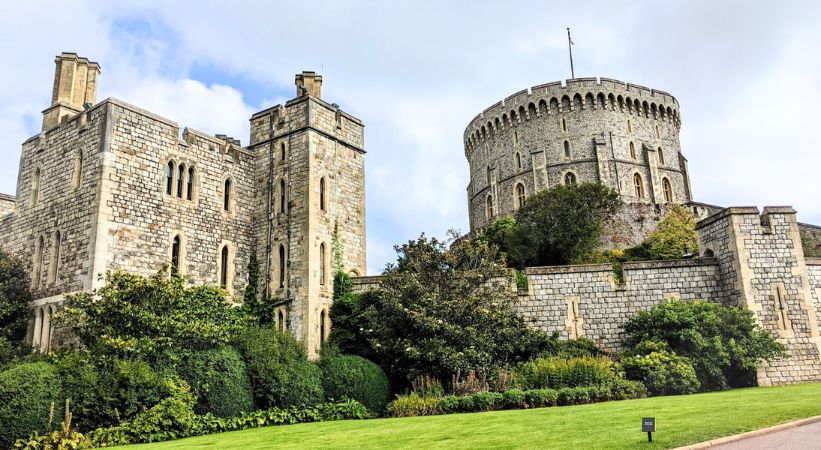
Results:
<point x="680" y="420"/>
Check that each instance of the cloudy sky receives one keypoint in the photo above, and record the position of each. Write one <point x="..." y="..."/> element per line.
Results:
<point x="747" y="75"/>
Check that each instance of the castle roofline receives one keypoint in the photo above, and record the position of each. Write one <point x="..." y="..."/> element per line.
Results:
<point x="7" y="197"/>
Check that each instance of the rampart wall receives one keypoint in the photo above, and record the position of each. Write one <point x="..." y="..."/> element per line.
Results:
<point x="6" y="204"/>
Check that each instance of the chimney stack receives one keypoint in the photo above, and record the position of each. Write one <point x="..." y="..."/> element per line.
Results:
<point x="75" y="85"/>
<point x="309" y="83"/>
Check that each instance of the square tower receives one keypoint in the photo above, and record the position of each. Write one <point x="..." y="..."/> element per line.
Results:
<point x="310" y="175"/>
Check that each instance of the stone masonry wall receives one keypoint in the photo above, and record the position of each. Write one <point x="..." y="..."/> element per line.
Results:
<point x="6" y="204"/>
<point x="585" y="301"/>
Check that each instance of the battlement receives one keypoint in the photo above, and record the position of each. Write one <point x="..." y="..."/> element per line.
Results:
<point x="574" y="95"/>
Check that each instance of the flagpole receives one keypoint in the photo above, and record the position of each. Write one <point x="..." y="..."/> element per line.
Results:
<point x="570" y="49"/>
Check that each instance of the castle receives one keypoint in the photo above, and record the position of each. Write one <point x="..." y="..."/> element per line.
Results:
<point x="107" y="186"/>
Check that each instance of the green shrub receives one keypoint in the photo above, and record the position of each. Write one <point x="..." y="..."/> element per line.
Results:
<point x="26" y="395"/>
<point x="356" y="378"/>
<point x="514" y="398"/>
<point x="662" y="372"/>
<point x="626" y="389"/>
<point x="278" y="366"/>
<point x="556" y="372"/>
<point x="413" y="405"/>
<point x="724" y="344"/>
<point x="541" y="398"/>
<point x="219" y="381"/>
<point x="486" y="401"/>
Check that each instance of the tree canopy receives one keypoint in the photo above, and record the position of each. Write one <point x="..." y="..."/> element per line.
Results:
<point x="14" y="300"/>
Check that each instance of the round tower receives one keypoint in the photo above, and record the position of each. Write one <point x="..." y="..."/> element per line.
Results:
<point x="588" y="130"/>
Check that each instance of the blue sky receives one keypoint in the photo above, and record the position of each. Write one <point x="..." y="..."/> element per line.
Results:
<point x="746" y="75"/>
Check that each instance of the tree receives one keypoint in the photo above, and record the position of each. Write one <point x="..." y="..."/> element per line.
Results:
<point x="260" y="309"/>
<point x="723" y="343"/>
<point x="674" y="235"/>
<point x="440" y="310"/>
<point x="561" y="225"/>
<point x="151" y="318"/>
<point x="499" y="234"/>
<point x="14" y="300"/>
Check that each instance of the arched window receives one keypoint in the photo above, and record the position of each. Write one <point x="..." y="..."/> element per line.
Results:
<point x="55" y="258"/>
<point x="226" y="197"/>
<point x="518" y="161"/>
<point x="169" y="178"/>
<point x="281" y="320"/>
<point x="224" y="267"/>
<point x="566" y="149"/>
<point x="282" y="152"/>
<point x="629" y="126"/>
<point x="38" y="263"/>
<point x="78" y="171"/>
<point x="189" y="189"/>
<point x="180" y="176"/>
<point x="667" y="189"/>
<point x="38" y="329"/>
<point x="282" y="196"/>
<point x="489" y="207"/>
<point x="322" y="194"/>
<point x="638" y="185"/>
<point x="281" y="266"/>
<point x="176" y="249"/>
<point x="570" y="178"/>
<point x="322" y="264"/>
<point x="632" y="150"/>
<point x="35" y="187"/>
<point x="520" y="195"/>
<point x="661" y="156"/>
<point x="564" y="125"/>
<point x="322" y="334"/>
<point x="45" y="336"/>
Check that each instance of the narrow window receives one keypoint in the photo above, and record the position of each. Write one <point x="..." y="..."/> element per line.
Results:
<point x="322" y="264"/>
<point x="668" y="190"/>
<point x="564" y="125"/>
<point x="282" y="196"/>
<point x="38" y="261"/>
<point x="282" y="152"/>
<point x="169" y="178"/>
<point x="226" y="198"/>
<point x="281" y="317"/>
<point x="518" y="161"/>
<point x="520" y="195"/>
<point x="570" y="178"/>
<point x="322" y="194"/>
<point x="629" y="126"/>
<point x="180" y="179"/>
<point x="78" y="171"/>
<point x="176" y="246"/>
<point x="322" y="326"/>
<point x="489" y="207"/>
<point x="632" y="150"/>
<point x="55" y="258"/>
<point x="189" y="188"/>
<point x="515" y="137"/>
<point x="281" y="266"/>
<point x="658" y="134"/>
<point x="35" y="187"/>
<point x="488" y="175"/>
<point x="224" y="267"/>
<point x="661" y="156"/>
<point x="638" y="185"/>
<point x="566" y="149"/>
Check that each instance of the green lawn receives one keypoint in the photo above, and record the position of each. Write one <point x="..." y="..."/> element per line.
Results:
<point x="680" y="420"/>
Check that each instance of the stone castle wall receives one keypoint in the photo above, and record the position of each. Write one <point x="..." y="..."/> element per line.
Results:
<point x="748" y="260"/>
<point x="6" y="204"/>
<point x="521" y="140"/>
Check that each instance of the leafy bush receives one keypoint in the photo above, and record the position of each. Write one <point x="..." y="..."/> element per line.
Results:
<point x="14" y="299"/>
<point x="219" y="381"/>
<point x="556" y="372"/>
<point x="355" y="378"/>
<point x="662" y="372"/>
<point x="414" y="405"/>
<point x="27" y="393"/>
<point x="174" y="419"/>
<point x="279" y="369"/>
<point x="63" y="438"/>
<point x="105" y="392"/>
<point x="577" y="348"/>
<point x="724" y="344"/>
<point x="540" y="398"/>
<point x="151" y="318"/>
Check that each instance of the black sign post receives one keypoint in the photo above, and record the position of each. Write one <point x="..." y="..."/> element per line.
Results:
<point x="648" y="425"/>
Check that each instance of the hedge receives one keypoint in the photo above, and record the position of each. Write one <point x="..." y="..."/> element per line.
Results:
<point x="355" y="378"/>
<point x="219" y="380"/>
<point x="26" y="395"/>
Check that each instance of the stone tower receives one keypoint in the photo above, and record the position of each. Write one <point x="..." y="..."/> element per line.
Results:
<point x="622" y="135"/>
<point x="310" y="162"/>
